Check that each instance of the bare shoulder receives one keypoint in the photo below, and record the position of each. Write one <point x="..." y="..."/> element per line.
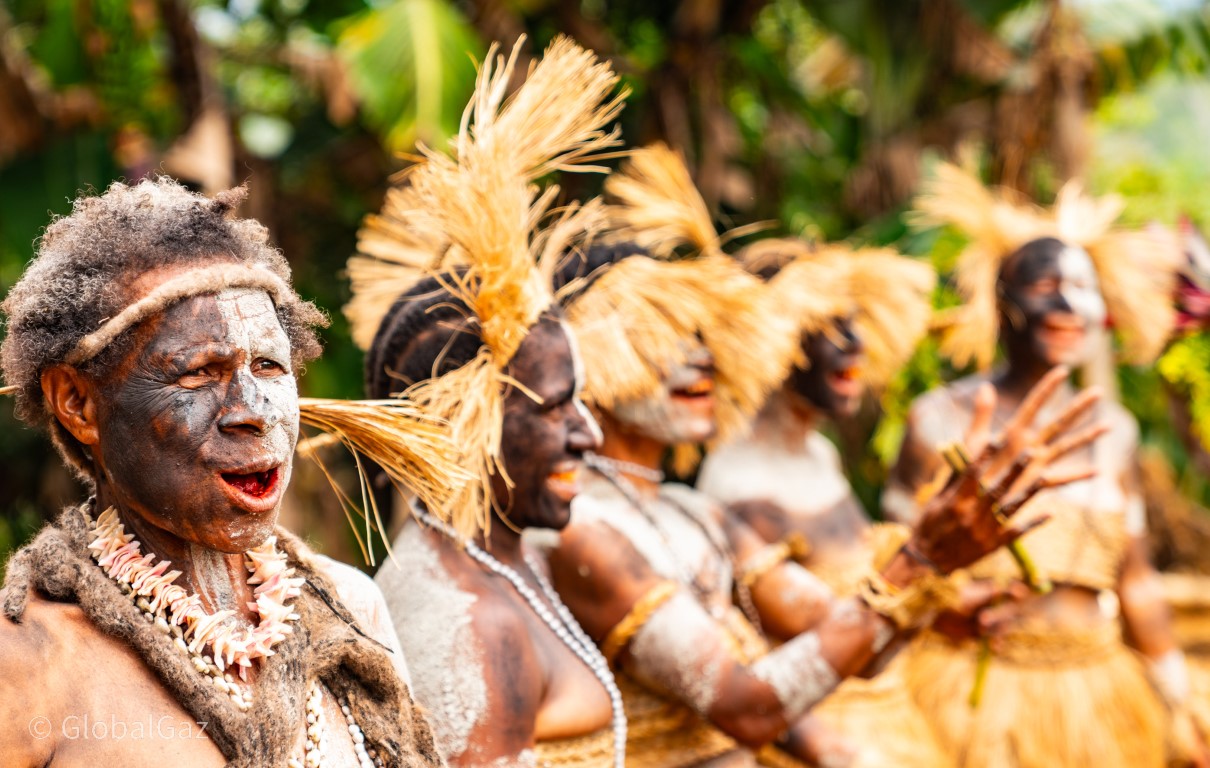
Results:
<point x="38" y="657"/>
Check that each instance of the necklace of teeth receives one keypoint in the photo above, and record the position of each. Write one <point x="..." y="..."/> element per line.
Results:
<point x="216" y="646"/>
<point x="598" y="461"/>
<point x="560" y="621"/>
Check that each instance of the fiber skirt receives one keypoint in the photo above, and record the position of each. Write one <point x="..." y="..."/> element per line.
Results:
<point x="1050" y="700"/>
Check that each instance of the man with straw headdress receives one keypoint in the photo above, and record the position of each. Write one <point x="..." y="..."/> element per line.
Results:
<point x="860" y="314"/>
<point x="1055" y="685"/>
<point x="648" y="567"/>
<point x="505" y="672"/>
<point x="167" y="616"/>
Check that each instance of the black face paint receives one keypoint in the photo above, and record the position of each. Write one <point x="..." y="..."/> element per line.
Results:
<point x="543" y="444"/>
<point x="197" y="429"/>
<point x="1050" y="303"/>
<point x="832" y="380"/>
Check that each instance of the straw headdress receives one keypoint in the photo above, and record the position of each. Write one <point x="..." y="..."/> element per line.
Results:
<point x="886" y="294"/>
<point x="480" y="209"/>
<point x="633" y="321"/>
<point x="1136" y="269"/>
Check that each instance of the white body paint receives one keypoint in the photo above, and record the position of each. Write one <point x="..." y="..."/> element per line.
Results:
<point x="779" y="461"/>
<point x="798" y="673"/>
<point x="669" y="654"/>
<point x="432" y="617"/>
<point x="1080" y="287"/>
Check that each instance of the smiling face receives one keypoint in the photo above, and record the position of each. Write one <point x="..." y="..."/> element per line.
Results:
<point x="197" y="425"/>
<point x="683" y="410"/>
<point x="543" y="443"/>
<point x="832" y="381"/>
<point x="1051" y="303"/>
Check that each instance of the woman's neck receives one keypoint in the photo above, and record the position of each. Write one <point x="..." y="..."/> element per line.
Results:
<point x="624" y="443"/>
<point x="220" y="579"/>
<point x="788" y="419"/>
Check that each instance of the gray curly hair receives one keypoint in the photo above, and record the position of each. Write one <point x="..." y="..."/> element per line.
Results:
<point x="81" y="274"/>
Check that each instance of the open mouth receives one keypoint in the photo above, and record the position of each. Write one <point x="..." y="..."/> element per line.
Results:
<point x="846" y="381"/>
<point x="254" y="490"/>
<point x="1064" y="331"/>
<point x="703" y="387"/>
<point x="564" y="482"/>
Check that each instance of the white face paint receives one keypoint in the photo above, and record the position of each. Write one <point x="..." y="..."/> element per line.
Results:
<point x="1080" y="287"/>
<point x="254" y="329"/>
<point x="670" y="416"/>
<point x="578" y="368"/>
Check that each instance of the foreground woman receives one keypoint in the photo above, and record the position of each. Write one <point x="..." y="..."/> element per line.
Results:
<point x="784" y="479"/>
<point x="1059" y="679"/>
<point x="167" y="618"/>
<point x="648" y="567"/>
<point x="504" y="671"/>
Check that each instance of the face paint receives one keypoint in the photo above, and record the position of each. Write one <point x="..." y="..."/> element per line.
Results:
<point x="1051" y="303"/>
<point x="683" y="410"/>
<point x="1080" y="286"/>
<point x="543" y="443"/>
<point x="832" y="382"/>
<point x="198" y="425"/>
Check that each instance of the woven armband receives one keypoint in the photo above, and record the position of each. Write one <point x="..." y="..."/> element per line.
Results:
<point x="622" y="633"/>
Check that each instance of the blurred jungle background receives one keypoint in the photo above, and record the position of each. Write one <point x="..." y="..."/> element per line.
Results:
<point x="821" y="115"/>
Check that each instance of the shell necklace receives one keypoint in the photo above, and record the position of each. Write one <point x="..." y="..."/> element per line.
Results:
<point x="560" y="621"/>
<point x="213" y="644"/>
<point x="317" y="742"/>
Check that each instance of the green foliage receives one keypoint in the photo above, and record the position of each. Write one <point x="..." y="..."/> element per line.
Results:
<point x="1186" y="366"/>
<point x="411" y="62"/>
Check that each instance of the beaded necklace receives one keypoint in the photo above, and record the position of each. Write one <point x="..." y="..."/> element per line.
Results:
<point x="560" y="621"/>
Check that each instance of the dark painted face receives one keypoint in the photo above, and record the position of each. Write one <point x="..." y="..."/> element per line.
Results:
<point x="543" y="444"/>
<point x="832" y="381"/>
<point x="1050" y="303"/>
<point x="197" y="427"/>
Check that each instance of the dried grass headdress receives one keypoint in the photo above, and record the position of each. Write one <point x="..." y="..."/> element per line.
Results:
<point x="1136" y="269"/>
<point x="632" y="321"/>
<point x="887" y="294"/>
<point x="480" y="209"/>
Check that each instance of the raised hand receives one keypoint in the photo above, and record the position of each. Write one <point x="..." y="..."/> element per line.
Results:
<point x="970" y="517"/>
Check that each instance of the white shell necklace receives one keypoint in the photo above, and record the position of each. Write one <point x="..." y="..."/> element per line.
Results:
<point x="317" y="741"/>
<point x="560" y="621"/>
<point x="625" y="467"/>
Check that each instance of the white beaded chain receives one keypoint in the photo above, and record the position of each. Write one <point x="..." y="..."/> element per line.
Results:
<point x="598" y="461"/>
<point x="317" y="740"/>
<point x="560" y="621"/>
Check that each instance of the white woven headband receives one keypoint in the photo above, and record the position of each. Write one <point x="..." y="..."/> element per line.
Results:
<point x="196" y="282"/>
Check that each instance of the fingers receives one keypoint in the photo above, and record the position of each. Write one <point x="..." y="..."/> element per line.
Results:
<point x="1045" y="482"/>
<point x="1037" y="397"/>
<point x="981" y="420"/>
<point x="1071" y="414"/>
<point x="1017" y="530"/>
<point x="1075" y="442"/>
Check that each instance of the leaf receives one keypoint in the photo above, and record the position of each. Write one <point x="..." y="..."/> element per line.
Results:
<point x="411" y="65"/>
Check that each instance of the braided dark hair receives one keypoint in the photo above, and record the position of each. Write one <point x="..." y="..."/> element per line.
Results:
<point x="591" y="264"/>
<point x="427" y="333"/>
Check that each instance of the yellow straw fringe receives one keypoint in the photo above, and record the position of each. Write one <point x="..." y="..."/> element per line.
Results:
<point x="888" y="295"/>
<point x="1137" y="270"/>
<point x="412" y="447"/>
<point x="481" y="208"/>
<point x="657" y="204"/>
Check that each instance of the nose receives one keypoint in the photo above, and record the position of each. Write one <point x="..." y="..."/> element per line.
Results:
<point x="583" y="434"/>
<point x="852" y="339"/>
<point x="247" y="406"/>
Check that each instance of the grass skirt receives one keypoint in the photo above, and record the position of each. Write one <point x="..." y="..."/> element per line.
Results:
<point x="879" y="715"/>
<point x="1050" y="700"/>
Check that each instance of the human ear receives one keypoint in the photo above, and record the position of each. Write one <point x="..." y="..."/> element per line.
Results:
<point x="73" y="401"/>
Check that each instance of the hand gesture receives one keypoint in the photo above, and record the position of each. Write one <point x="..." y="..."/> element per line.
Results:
<point x="971" y="515"/>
